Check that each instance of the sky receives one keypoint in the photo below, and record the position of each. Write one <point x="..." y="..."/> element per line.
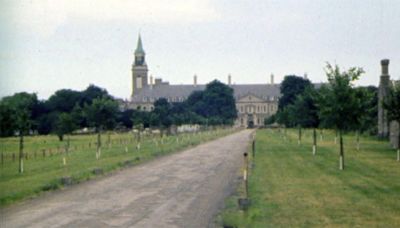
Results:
<point x="47" y="45"/>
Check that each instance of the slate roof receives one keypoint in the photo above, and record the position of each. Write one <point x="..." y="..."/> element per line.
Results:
<point x="177" y="93"/>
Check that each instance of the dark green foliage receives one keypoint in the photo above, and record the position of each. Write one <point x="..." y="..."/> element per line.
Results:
<point x="338" y="103"/>
<point x="17" y="112"/>
<point x="368" y="109"/>
<point x="102" y="113"/>
<point x="270" y="120"/>
<point x="392" y="105"/>
<point x="216" y="104"/>
<point x="292" y="86"/>
<point x="65" y="125"/>
<point x="304" y="111"/>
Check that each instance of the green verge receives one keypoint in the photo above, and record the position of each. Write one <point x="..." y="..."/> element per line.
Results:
<point x="289" y="187"/>
<point x="45" y="173"/>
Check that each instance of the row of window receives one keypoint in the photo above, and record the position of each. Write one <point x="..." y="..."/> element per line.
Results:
<point x="170" y="99"/>
<point x="258" y="109"/>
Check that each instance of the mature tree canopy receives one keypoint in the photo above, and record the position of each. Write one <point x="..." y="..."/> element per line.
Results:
<point x="338" y="103"/>
<point x="102" y="113"/>
<point x="292" y="86"/>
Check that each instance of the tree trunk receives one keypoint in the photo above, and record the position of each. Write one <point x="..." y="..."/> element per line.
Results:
<point x="109" y="140"/>
<point x="314" y="141"/>
<point x="341" y="159"/>
<point x="98" y="152"/>
<point x="21" y="152"/>
<point x="358" y="140"/>
<point x="299" y="141"/>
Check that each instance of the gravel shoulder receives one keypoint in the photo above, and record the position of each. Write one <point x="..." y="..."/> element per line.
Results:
<point x="184" y="189"/>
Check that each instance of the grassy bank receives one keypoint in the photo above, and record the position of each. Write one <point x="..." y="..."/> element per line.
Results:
<point x="44" y="166"/>
<point x="289" y="187"/>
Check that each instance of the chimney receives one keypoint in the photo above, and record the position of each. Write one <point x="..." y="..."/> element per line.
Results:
<point x="151" y="81"/>
<point x="272" y="79"/>
<point x="305" y="75"/>
<point x="195" y="80"/>
<point x="385" y="67"/>
<point x="229" y="79"/>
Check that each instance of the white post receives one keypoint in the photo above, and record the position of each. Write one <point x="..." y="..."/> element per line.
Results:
<point x="341" y="163"/>
<point x="313" y="149"/>
<point x="398" y="155"/>
<point x="64" y="161"/>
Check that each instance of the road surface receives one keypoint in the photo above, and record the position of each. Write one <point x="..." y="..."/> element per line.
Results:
<point x="184" y="189"/>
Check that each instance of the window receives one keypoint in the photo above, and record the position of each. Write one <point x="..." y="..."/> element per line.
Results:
<point x="265" y="108"/>
<point x="144" y="108"/>
<point x="241" y="109"/>
<point x="241" y="121"/>
<point x="258" y="108"/>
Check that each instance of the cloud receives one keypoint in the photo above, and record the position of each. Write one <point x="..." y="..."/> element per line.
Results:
<point x="43" y="17"/>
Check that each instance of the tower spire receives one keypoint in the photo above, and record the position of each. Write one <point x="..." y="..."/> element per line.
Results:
<point x="139" y="47"/>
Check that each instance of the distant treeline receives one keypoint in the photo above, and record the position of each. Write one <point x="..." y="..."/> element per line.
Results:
<point x="68" y="110"/>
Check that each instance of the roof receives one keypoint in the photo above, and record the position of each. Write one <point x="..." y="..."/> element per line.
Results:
<point x="179" y="92"/>
<point x="139" y="47"/>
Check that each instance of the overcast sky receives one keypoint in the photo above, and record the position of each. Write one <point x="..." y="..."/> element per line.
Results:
<point x="49" y="45"/>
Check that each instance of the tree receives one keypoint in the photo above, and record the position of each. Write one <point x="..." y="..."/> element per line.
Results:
<point x="63" y="100"/>
<point x="65" y="125"/>
<point x="392" y="105"/>
<point x="291" y="87"/>
<point x="162" y="111"/>
<point x="337" y="102"/>
<point x="21" y="106"/>
<point x="216" y="104"/>
<point x="101" y="114"/>
<point x="304" y="113"/>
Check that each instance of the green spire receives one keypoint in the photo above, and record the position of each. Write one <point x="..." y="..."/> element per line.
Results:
<point x="139" y="48"/>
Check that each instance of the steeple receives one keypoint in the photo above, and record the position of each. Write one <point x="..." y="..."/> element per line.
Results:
<point x="139" y="48"/>
<point x="139" y="68"/>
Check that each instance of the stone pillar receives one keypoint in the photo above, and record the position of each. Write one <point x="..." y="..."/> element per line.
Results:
<point x="229" y="79"/>
<point x="384" y="86"/>
<point x="195" y="80"/>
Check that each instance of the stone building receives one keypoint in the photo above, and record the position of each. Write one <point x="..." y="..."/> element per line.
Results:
<point x="386" y="128"/>
<point x="254" y="102"/>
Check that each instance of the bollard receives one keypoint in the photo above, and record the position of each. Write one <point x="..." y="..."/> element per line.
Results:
<point x="253" y="146"/>
<point x="244" y="203"/>
<point x="245" y="174"/>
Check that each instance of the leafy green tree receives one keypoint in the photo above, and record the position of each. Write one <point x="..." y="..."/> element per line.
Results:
<point x="337" y="102"/>
<point x="92" y="92"/>
<point x="162" y="110"/>
<point x="101" y="115"/>
<point x="65" y="125"/>
<point x="63" y="100"/>
<point x="21" y="106"/>
<point x="304" y="113"/>
<point x="292" y="86"/>
<point x="392" y="105"/>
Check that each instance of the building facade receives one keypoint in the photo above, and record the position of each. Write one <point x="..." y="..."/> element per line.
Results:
<point x="254" y="102"/>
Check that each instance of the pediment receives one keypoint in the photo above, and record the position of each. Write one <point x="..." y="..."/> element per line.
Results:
<point x="250" y="98"/>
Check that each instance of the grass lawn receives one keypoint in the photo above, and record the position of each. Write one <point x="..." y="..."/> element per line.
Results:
<point x="43" y="173"/>
<point x="289" y="187"/>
